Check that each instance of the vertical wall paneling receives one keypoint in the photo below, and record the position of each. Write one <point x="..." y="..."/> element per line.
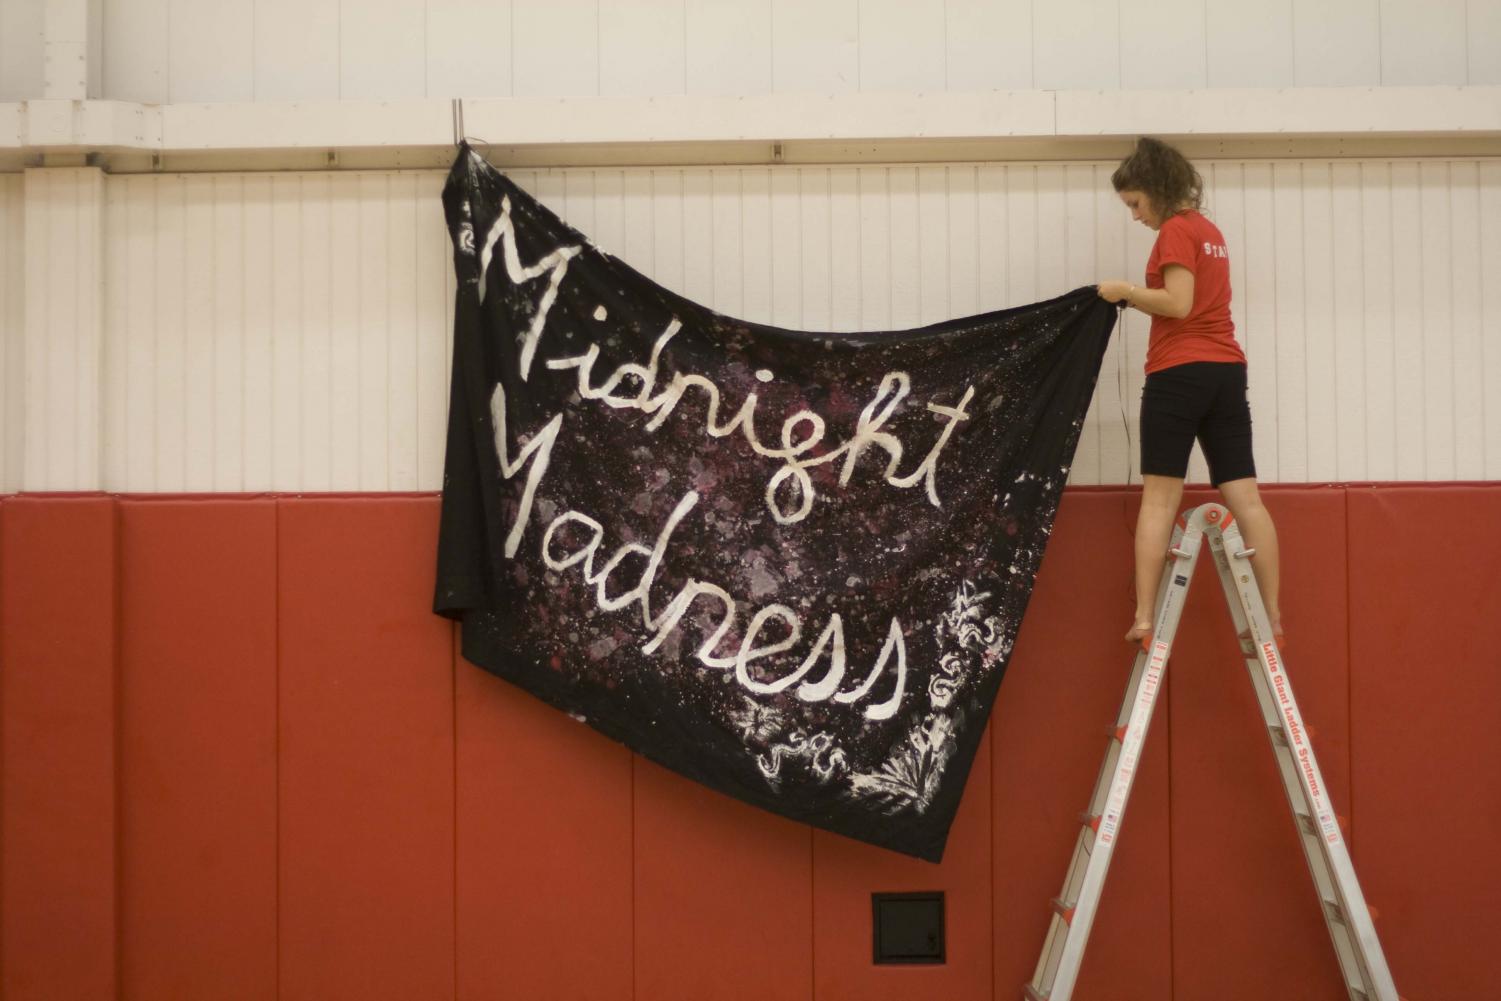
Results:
<point x="1290" y="331"/>
<point x="727" y="224"/>
<point x="63" y="296"/>
<point x="905" y="279"/>
<point x="698" y="235"/>
<point x="1379" y="330"/>
<point x="816" y="274"/>
<point x="1490" y="314"/>
<point x="874" y="185"/>
<point x="1467" y="367"/>
<point x="1321" y="380"/>
<point x="1347" y="329"/>
<point x="315" y="253"/>
<point x="287" y="328"/>
<point x="1410" y="328"/>
<point x="934" y="259"/>
<point x="785" y="249"/>
<point x="12" y="329"/>
<point x="260" y="302"/>
<point x="1438" y="290"/>
<point x="756" y="262"/>
<point x="844" y="248"/>
<point x="292" y="331"/>
<point x="1258" y="331"/>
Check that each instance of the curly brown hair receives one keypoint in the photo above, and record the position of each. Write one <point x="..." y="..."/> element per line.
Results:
<point x="1163" y="174"/>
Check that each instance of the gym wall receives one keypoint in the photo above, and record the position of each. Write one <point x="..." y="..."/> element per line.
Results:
<point x="240" y="759"/>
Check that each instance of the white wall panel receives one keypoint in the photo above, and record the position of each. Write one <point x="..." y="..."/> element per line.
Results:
<point x="468" y="48"/>
<point x="222" y="50"/>
<point x="12" y="330"/>
<point x="1483" y="33"/>
<point x="1076" y="44"/>
<point x="554" y="48"/>
<point x="1162" y="45"/>
<point x="210" y="50"/>
<point x="21" y="23"/>
<point x="1337" y="43"/>
<point x="1423" y="42"/>
<point x="989" y="44"/>
<point x="1249" y="45"/>
<point x="1489" y="220"/>
<point x="62" y="302"/>
<point x="296" y="50"/>
<point x="137" y="51"/>
<point x="642" y="48"/>
<point x="815" y="46"/>
<point x="290" y="331"/>
<point x="903" y="45"/>
<point x="383" y="50"/>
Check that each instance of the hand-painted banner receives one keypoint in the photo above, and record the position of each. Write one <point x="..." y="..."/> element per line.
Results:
<point x="789" y="565"/>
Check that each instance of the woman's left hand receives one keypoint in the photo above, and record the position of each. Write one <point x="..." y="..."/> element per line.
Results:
<point x="1113" y="291"/>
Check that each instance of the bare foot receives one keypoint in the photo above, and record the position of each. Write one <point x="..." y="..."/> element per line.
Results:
<point x="1139" y="632"/>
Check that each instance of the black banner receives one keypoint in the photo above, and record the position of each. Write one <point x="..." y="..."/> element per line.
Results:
<point x="786" y="564"/>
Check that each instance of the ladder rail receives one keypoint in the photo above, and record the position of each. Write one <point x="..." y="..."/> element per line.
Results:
<point x="1075" y="907"/>
<point x="1324" y="846"/>
<point x="1362" y="962"/>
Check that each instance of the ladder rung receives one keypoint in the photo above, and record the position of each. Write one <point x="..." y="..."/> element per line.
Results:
<point x="1336" y="912"/>
<point x="1063" y="910"/>
<point x="1245" y="554"/>
<point x="1279" y="735"/>
<point x="1305" y="823"/>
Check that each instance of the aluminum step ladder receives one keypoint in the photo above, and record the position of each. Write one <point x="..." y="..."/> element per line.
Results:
<point x="1361" y="960"/>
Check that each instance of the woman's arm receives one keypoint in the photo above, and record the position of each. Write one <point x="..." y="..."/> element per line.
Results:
<point x="1175" y="300"/>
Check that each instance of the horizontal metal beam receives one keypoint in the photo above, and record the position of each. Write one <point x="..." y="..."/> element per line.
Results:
<point x="809" y="127"/>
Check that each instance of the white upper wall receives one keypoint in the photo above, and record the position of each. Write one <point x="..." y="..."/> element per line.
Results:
<point x="189" y="51"/>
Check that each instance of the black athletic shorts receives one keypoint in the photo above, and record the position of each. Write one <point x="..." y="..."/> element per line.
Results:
<point x="1204" y="400"/>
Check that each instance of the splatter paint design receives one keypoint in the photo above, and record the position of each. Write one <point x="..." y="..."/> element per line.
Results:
<point x="789" y="565"/>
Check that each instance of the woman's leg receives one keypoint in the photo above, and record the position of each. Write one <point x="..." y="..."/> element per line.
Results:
<point x="1244" y="502"/>
<point x="1154" y="531"/>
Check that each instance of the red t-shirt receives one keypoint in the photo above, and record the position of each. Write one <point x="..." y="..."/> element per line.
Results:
<point x="1207" y="333"/>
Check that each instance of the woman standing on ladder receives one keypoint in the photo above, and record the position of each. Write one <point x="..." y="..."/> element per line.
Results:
<point x="1196" y="373"/>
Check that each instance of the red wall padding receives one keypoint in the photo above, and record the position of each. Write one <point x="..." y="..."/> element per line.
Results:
<point x="242" y="760"/>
